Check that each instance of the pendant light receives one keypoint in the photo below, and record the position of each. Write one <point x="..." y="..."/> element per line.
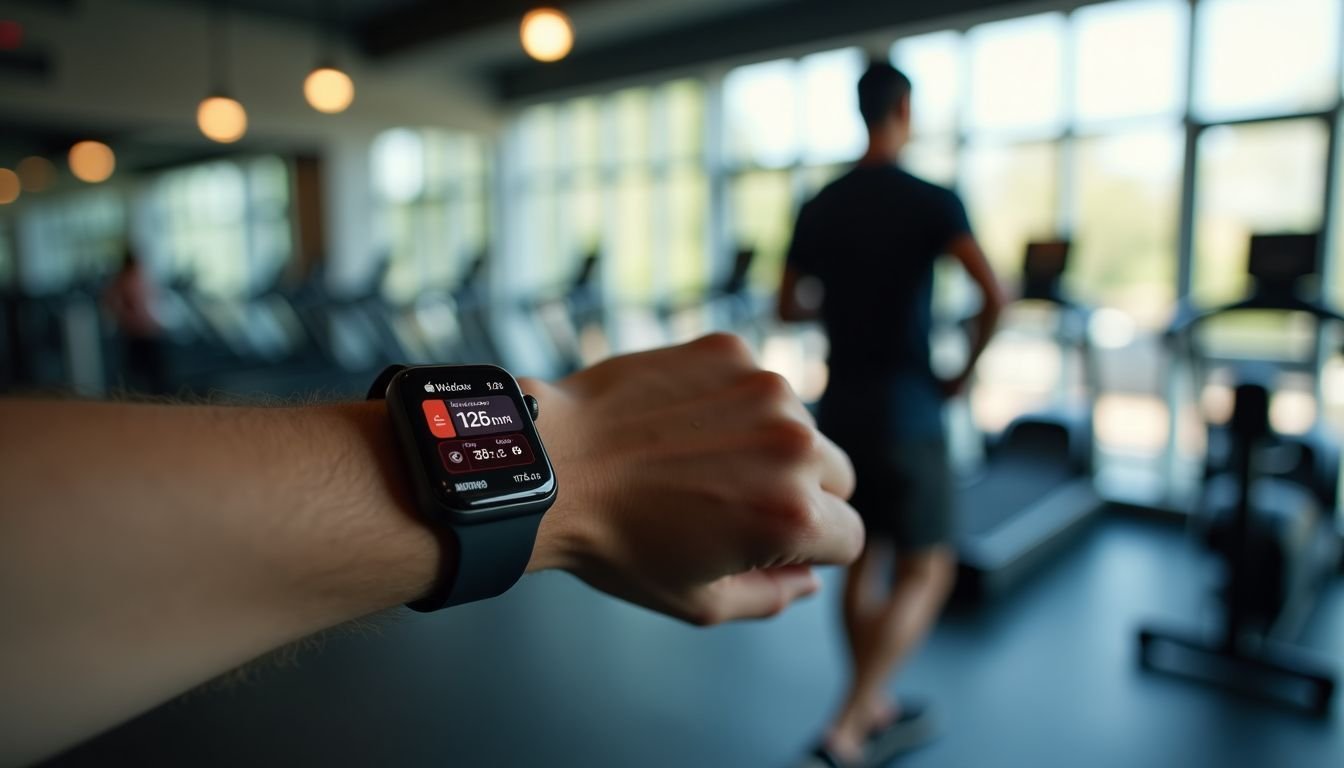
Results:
<point x="327" y="88"/>
<point x="546" y="34"/>
<point x="9" y="186"/>
<point x="220" y="117"/>
<point x="92" y="162"/>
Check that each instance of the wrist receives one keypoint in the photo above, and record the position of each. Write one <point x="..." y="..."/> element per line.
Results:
<point x="567" y="529"/>
<point x="377" y="552"/>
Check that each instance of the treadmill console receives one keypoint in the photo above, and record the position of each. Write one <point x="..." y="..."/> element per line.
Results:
<point x="1280" y="260"/>
<point x="1043" y="268"/>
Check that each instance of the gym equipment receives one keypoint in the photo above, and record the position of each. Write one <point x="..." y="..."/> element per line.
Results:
<point x="727" y="304"/>
<point x="1266" y="510"/>
<point x="1036" y="486"/>
<point x="472" y="300"/>
<point x="569" y="315"/>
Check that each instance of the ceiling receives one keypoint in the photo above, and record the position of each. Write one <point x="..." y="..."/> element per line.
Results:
<point x="388" y="29"/>
<point x="614" y="38"/>
<point x="477" y="40"/>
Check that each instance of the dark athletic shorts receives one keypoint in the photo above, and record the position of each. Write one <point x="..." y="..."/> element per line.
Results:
<point x="904" y="492"/>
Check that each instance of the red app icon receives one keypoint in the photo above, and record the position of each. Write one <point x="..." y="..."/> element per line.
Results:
<point x="436" y="415"/>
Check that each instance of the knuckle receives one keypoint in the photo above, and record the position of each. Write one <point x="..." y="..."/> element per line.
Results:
<point x="725" y="344"/>
<point x="774" y="605"/>
<point x="791" y="440"/>
<point x="786" y="521"/>
<point x="769" y="386"/>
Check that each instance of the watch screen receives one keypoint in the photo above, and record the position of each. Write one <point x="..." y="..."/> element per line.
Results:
<point x="474" y="434"/>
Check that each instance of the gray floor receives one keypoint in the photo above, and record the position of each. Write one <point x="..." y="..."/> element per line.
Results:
<point x="554" y="675"/>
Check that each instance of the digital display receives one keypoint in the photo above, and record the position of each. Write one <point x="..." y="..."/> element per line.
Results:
<point x="470" y="424"/>
<point x="483" y="415"/>
<point x="485" y="453"/>
<point x="1283" y="258"/>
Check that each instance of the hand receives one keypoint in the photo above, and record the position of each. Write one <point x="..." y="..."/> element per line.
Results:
<point x="692" y="483"/>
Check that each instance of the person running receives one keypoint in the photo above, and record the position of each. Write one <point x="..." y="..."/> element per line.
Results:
<point x="870" y="240"/>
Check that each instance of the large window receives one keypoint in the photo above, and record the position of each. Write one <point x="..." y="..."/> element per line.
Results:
<point x="1257" y="178"/>
<point x="1129" y="61"/>
<point x="832" y="130"/>
<point x="791" y="126"/>
<point x="1258" y="57"/>
<point x="1126" y="201"/>
<point x="1012" y="196"/>
<point x="621" y="176"/>
<point x="761" y="105"/>
<point x="1015" y="74"/>
<point x="72" y="240"/>
<point x="223" y="226"/>
<point x="763" y="207"/>
<point x="934" y="64"/>
<point x="432" y="186"/>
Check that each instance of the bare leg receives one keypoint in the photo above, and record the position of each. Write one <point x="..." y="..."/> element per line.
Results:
<point x="881" y="636"/>
<point x="864" y="592"/>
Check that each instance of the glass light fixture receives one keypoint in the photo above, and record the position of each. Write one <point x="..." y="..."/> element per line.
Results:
<point x="220" y="117"/>
<point x="328" y="90"/>
<point x="92" y="161"/>
<point x="546" y="34"/>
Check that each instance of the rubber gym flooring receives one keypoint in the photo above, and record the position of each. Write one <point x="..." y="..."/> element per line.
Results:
<point x="556" y="675"/>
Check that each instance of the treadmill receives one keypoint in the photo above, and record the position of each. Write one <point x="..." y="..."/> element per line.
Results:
<point x="1267" y="508"/>
<point x="1035" y="490"/>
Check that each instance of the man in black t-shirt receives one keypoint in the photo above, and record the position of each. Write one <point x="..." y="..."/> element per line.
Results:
<point x="870" y="239"/>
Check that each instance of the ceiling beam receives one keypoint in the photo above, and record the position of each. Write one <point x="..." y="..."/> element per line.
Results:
<point x="733" y="35"/>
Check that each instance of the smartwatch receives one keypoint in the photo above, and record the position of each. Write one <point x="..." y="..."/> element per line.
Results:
<point x="482" y="478"/>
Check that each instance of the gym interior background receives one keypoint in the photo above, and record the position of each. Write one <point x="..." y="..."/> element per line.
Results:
<point x="473" y="204"/>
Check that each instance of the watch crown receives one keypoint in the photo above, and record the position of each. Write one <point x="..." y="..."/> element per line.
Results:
<point x="533" y="407"/>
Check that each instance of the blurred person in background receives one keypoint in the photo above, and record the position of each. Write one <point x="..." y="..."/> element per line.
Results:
<point x="868" y="241"/>
<point x="130" y="298"/>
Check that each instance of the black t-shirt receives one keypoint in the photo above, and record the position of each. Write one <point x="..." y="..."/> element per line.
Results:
<point x="871" y="238"/>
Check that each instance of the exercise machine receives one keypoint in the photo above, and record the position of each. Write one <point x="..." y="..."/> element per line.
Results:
<point x="1267" y="507"/>
<point x="726" y="304"/>
<point x="573" y="319"/>
<point x="1035" y="489"/>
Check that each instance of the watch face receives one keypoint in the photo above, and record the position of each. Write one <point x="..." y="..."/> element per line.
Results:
<point x="474" y="437"/>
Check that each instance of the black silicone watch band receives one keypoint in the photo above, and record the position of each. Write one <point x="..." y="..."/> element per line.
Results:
<point x="482" y="560"/>
<point x="490" y="558"/>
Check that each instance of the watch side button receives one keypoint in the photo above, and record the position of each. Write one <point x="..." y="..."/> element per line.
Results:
<point x="533" y="407"/>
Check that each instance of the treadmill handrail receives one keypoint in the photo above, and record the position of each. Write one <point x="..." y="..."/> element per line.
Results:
<point x="1188" y="317"/>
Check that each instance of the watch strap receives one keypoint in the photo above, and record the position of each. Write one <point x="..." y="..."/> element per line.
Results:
<point x="489" y="559"/>
<point x="378" y="389"/>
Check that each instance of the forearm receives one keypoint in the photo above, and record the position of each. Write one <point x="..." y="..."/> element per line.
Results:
<point x="985" y="323"/>
<point x="145" y="549"/>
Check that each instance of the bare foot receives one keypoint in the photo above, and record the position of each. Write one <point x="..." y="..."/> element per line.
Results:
<point x="846" y="744"/>
<point x="882" y="712"/>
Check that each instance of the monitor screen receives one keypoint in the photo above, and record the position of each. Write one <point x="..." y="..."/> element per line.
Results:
<point x="1283" y="258"/>
<point x="1042" y="268"/>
